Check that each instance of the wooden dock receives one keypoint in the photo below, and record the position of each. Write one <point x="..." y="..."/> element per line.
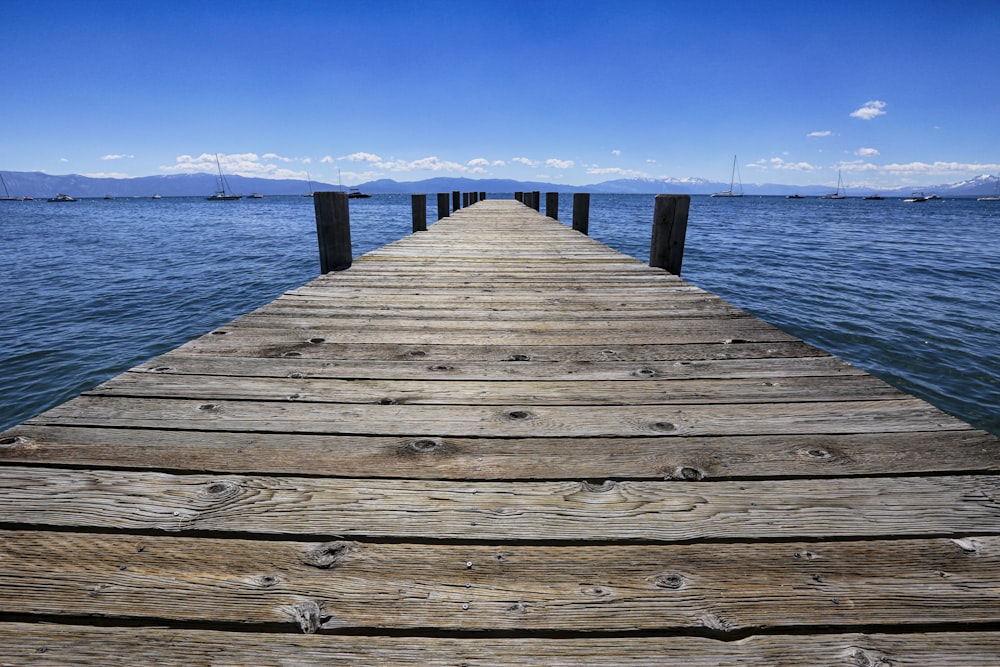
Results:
<point x="498" y="442"/>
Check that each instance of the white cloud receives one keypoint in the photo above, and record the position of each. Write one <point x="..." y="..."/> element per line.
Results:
<point x="559" y="164"/>
<point x="650" y="161"/>
<point x="105" y="174"/>
<point x="116" y="157"/>
<point x="940" y="167"/>
<point x="871" y="109"/>
<point x="478" y="162"/>
<point x="499" y="163"/>
<point x="275" y="156"/>
<point x="820" y="133"/>
<point x="327" y="159"/>
<point x="615" y="171"/>
<point x="616" y="152"/>
<point x="363" y="157"/>
<point x="524" y="161"/>
<point x="778" y="163"/>
<point x="236" y="164"/>
<point x="867" y="152"/>
<point x="62" y="159"/>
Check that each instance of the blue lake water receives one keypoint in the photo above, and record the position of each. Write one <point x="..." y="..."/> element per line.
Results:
<point x="906" y="291"/>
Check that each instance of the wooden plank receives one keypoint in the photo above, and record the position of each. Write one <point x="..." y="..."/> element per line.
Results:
<point x="650" y="511"/>
<point x="692" y="458"/>
<point x="499" y="392"/>
<point x="522" y="421"/>
<point x="48" y="645"/>
<point x="581" y="371"/>
<point x="472" y="587"/>
<point x="293" y="346"/>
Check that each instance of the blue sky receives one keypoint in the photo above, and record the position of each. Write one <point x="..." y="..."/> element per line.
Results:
<point x="576" y="92"/>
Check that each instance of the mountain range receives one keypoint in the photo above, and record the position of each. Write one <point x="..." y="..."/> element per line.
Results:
<point x="41" y="185"/>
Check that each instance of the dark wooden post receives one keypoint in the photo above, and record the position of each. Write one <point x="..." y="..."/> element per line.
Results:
<point x="482" y="196"/>
<point x="519" y="196"/>
<point x="419" y="204"/>
<point x="581" y="212"/>
<point x="536" y="198"/>
<point x="333" y="231"/>
<point x="552" y="205"/>
<point x="670" y="217"/>
<point x="456" y="201"/>
<point x="465" y="200"/>
<point x="442" y="205"/>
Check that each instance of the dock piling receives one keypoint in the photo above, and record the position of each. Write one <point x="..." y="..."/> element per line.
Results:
<point x="552" y="205"/>
<point x="443" y="211"/>
<point x="666" y="248"/>
<point x="333" y="231"/>
<point x="456" y="201"/>
<point x="581" y="212"/>
<point x="419" y="206"/>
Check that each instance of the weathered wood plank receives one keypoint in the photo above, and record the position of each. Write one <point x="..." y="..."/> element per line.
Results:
<point x="499" y="392"/>
<point x="295" y="346"/>
<point x="344" y="584"/>
<point x="48" y="645"/>
<point x="692" y="458"/>
<point x="512" y="369"/>
<point x="651" y="511"/>
<point x="521" y="421"/>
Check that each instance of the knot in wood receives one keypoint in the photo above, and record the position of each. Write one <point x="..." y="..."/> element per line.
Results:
<point x="644" y="373"/>
<point x="519" y="415"/>
<point x="816" y="453"/>
<point x="663" y="427"/>
<point x="220" y="332"/>
<point x="13" y="441"/>
<point x="671" y="581"/>
<point x="210" y="407"/>
<point x="689" y="474"/>
<point x="596" y="591"/>
<point x="439" y="367"/>
<point x="317" y="341"/>
<point x="327" y="555"/>
<point x="221" y="490"/>
<point x="388" y="401"/>
<point x="422" y="446"/>
<point x="160" y="369"/>
<point x="518" y="357"/>
<point x="604" y="487"/>
<point x="416" y="353"/>
<point x="291" y="354"/>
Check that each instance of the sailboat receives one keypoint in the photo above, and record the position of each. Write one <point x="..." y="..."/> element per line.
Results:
<point x="996" y="193"/>
<point x="732" y="180"/>
<point x="841" y="192"/>
<point x="223" y="193"/>
<point x="310" y="193"/>
<point x="6" y="192"/>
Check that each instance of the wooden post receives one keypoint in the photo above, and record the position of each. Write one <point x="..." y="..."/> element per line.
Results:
<point x="581" y="212"/>
<point x="442" y="205"/>
<point x="519" y="196"/>
<point x="670" y="216"/>
<point x="465" y="200"/>
<point x="419" y="205"/>
<point x="456" y="202"/>
<point x="482" y="196"/>
<point x="333" y="231"/>
<point x="536" y="198"/>
<point x="552" y="205"/>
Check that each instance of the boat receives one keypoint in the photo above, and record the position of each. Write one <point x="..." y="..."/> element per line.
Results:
<point x="794" y="197"/>
<point x="874" y="197"/>
<point x="917" y="196"/>
<point x="732" y="181"/>
<point x="109" y="197"/>
<point x="157" y="197"/>
<point x="357" y="194"/>
<point x="309" y="178"/>
<point x="61" y="197"/>
<point x="841" y="192"/>
<point x="255" y="196"/>
<point x="223" y="193"/>
<point x="6" y="192"/>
